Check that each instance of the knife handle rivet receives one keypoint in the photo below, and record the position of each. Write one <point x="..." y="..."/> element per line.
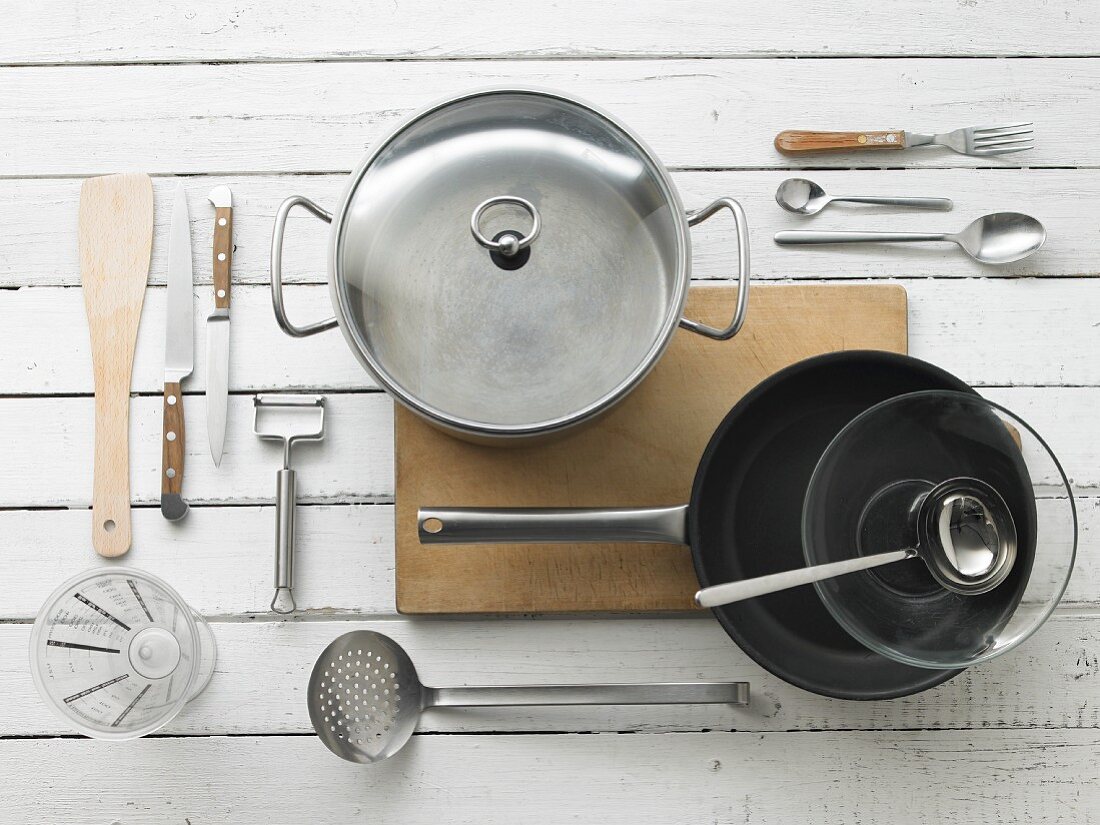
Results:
<point x="221" y="256"/>
<point x="171" y="400"/>
<point x="221" y="221"/>
<point x="170" y="472"/>
<point x="171" y="436"/>
<point x="221" y="293"/>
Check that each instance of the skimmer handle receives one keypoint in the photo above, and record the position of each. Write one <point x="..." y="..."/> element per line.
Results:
<point x="667" y="693"/>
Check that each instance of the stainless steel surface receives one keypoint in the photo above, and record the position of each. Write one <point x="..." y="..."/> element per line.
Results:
<point x="291" y="329"/>
<point x="967" y="539"/>
<point x="983" y="141"/>
<point x="516" y="525"/>
<point x="179" y="326"/>
<point x="512" y="243"/>
<point x="509" y="347"/>
<point x="289" y="419"/>
<point x="731" y="592"/>
<point x="217" y="356"/>
<point x="1000" y="238"/>
<point x="741" y="225"/>
<point x="365" y="697"/>
<point x="804" y="197"/>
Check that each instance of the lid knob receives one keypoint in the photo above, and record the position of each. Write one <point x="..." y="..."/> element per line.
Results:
<point x="508" y="244"/>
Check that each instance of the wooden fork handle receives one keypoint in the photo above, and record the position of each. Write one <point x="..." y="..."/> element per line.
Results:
<point x="172" y="505"/>
<point x="796" y="142"/>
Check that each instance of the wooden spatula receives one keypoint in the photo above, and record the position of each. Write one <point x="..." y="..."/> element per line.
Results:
<point x="116" y="239"/>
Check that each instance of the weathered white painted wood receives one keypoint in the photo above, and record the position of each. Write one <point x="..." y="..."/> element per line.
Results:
<point x="263" y="669"/>
<point x="221" y="558"/>
<point x="918" y="778"/>
<point x="422" y="29"/>
<point x="39" y="248"/>
<point x="355" y="461"/>
<point x="695" y="113"/>
<point x="987" y="331"/>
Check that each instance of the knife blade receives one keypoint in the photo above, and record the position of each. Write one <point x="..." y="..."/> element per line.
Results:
<point x="217" y="325"/>
<point x="179" y="357"/>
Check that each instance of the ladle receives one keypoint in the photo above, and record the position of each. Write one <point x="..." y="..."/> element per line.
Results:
<point x="804" y="197"/>
<point x="964" y="534"/>
<point x="365" y="697"/>
<point x="1000" y="238"/>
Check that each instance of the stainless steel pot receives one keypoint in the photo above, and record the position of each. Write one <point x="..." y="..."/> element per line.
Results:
<point x="510" y="263"/>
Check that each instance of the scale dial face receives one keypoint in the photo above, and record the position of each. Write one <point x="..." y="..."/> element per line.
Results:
<point x="115" y="653"/>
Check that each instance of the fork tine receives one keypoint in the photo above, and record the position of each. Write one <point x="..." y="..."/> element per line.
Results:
<point x="985" y="139"/>
<point x="989" y="144"/>
<point x="977" y="130"/>
<point x="1003" y="150"/>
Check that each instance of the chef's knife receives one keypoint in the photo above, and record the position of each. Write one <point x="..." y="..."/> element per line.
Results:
<point x="179" y="357"/>
<point x="217" y="325"/>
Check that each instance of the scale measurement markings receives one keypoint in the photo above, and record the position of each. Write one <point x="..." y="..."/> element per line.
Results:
<point x="130" y="707"/>
<point x="100" y="610"/>
<point x="76" y="646"/>
<point x="140" y="600"/>
<point x="100" y="686"/>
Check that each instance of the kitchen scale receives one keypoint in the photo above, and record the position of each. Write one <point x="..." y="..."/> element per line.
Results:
<point x="117" y="653"/>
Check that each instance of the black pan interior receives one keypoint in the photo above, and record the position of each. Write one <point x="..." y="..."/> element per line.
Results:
<point x="746" y="511"/>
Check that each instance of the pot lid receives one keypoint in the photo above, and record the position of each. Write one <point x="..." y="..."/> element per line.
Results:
<point x="955" y="478"/>
<point x="510" y="262"/>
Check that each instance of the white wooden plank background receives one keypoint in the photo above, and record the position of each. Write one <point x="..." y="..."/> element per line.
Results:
<point x="285" y="97"/>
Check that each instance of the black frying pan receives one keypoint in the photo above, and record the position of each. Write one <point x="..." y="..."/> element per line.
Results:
<point x="744" y="519"/>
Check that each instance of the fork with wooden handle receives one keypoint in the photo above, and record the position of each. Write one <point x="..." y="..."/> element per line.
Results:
<point x="115" y="238"/>
<point x="981" y="141"/>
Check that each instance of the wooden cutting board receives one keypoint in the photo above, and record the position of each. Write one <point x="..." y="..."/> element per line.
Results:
<point x="644" y="452"/>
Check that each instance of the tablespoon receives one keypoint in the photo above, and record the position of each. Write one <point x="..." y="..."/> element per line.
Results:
<point x="1000" y="238"/>
<point x="804" y="197"/>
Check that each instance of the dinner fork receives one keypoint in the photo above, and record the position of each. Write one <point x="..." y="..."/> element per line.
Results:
<point x="983" y="141"/>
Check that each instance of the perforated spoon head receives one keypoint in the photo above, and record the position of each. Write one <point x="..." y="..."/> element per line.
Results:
<point x="801" y="196"/>
<point x="364" y="697"/>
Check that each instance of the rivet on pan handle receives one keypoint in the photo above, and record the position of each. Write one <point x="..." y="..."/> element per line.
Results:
<point x="741" y="223"/>
<point x="277" y="268"/>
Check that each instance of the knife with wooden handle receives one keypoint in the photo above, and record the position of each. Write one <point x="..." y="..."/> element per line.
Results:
<point x="217" y="325"/>
<point x="179" y="358"/>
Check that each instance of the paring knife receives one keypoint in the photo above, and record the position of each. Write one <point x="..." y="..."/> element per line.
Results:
<point x="217" y="325"/>
<point x="179" y="357"/>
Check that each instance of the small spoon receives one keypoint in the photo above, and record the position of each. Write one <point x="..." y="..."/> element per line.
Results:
<point x="804" y="197"/>
<point x="965" y="534"/>
<point x="365" y="697"/>
<point x="1000" y="238"/>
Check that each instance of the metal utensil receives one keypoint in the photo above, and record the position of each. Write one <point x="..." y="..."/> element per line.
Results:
<point x="804" y="197"/>
<point x="179" y="357"/>
<point x="1000" y="238"/>
<point x="967" y="540"/>
<point x="553" y="276"/>
<point x="365" y="697"/>
<point x="289" y="419"/>
<point x="982" y="141"/>
<point x="217" y="325"/>
<point x="115" y="238"/>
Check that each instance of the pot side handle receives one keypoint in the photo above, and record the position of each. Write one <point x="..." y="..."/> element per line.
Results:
<point x="741" y="224"/>
<point x="277" y="268"/>
<point x="546" y="525"/>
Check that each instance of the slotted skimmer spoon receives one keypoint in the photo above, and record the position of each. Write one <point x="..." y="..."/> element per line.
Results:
<point x="365" y="697"/>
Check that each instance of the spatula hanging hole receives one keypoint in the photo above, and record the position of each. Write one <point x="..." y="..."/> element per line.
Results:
<point x="109" y="525"/>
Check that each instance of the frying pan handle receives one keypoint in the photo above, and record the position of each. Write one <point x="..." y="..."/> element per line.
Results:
<point x="741" y="223"/>
<point x="473" y="525"/>
<point x="277" y="268"/>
